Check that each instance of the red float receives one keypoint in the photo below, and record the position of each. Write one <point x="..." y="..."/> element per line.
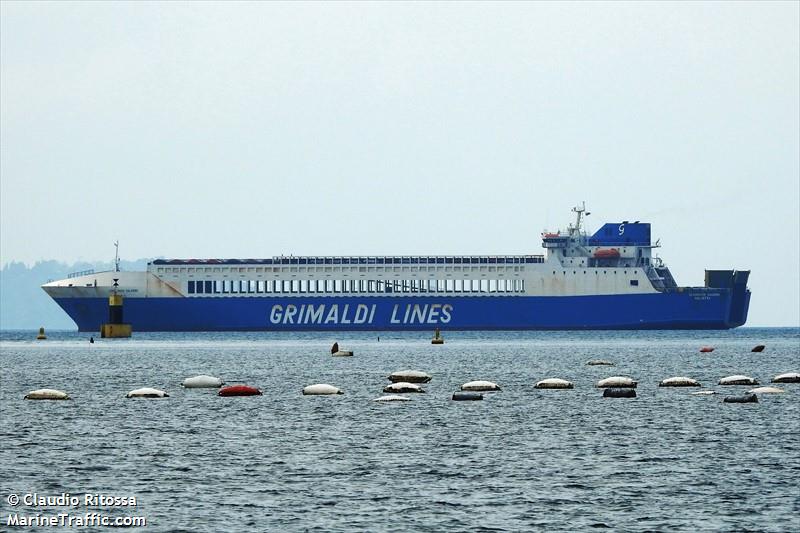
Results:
<point x="239" y="390"/>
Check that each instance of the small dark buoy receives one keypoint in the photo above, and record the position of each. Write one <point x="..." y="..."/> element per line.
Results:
<point x="467" y="396"/>
<point x="619" y="393"/>
<point x="336" y="352"/>
<point x="379" y="339"/>
<point x="41" y="336"/>
<point x="91" y="340"/>
<point x="747" y="398"/>
<point x="759" y="348"/>
<point x="437" y="337"/>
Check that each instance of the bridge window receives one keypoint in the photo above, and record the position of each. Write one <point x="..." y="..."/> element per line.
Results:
<point x="209" y="287"/>
<point x="634" y="282"/>
<point x="191" y="287"/>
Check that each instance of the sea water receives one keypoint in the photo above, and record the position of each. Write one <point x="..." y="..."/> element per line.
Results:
<point x="520" y="460"/>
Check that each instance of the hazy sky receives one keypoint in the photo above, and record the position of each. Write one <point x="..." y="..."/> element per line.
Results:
<point x="250" y="130"/>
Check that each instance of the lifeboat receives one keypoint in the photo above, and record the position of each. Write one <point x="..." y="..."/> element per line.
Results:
<point x="550" y="235"/>
<point x="239" y="390"/>
<point x="606" y="253"/>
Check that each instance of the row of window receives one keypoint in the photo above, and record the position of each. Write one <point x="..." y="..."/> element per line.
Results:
<point x="361" y="260"/>
<point x="633" y="282"/>
<point x="491" y="268"/>
<point x="355" y="286"/>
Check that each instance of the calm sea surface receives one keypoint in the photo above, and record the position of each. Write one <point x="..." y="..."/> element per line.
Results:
<point x="521" y="460"/>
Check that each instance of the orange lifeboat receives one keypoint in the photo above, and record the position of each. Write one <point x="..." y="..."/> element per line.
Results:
<point x="239" y="390"/>
<point x="550" y="235"/>
<point x="606" y="253"/>
<point x="706" y="349"/>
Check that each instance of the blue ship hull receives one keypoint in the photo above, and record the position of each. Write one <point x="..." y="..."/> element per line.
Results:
<point x="701" y="308"/>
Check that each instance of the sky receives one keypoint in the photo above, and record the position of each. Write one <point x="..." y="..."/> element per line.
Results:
<point x="258" y="129"/>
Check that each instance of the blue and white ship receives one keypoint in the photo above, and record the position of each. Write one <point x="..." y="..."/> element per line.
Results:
<point x="609" y="280"/>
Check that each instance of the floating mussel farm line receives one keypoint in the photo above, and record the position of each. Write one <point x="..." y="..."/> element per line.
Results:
<point x="403" y="384"/>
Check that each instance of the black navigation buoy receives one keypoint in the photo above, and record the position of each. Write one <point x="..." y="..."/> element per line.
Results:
<point x="467" y="396"/>
<point x="619" y="393"/>
<point x="747" y="398"/>
<point x="91" y="340"/>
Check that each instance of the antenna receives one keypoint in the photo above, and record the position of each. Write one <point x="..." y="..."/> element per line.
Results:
<point x="580" y="211"/>
<point x="116" y="256"/>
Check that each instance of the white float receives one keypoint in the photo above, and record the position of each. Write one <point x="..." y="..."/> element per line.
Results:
<point x="553" y="383"/>
<point x="47" y="394"/>
<point x="409" y="376"/>
<point x="680" y="381"/>
<point x="321" y="389"/>
<point x="480" y="386"/>
<point x="202" y="382"/>
<point x="392" y="398"/>
<point x="617" y="381"/>
<point x="342" y="353"/>
<point x="765" y="390"/>
<point x="403" y="386"/>
<point x="789" y="377"/>
<point x="703" y="393"/>
<point x="147" y="392"/>
<point x="738" y="380"/>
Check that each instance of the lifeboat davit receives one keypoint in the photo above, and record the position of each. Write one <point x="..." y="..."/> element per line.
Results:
<point x="606" y="253"/>
<point x="239" y="390"/>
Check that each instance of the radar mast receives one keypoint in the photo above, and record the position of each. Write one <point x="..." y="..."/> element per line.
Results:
<point x="580" y="211"/>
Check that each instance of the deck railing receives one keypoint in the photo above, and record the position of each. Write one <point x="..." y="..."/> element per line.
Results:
<point x="80" y="273"/>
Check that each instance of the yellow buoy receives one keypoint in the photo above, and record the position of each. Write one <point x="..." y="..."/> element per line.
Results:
<point x="115" y="329"/>
<point x="41" y="336"/>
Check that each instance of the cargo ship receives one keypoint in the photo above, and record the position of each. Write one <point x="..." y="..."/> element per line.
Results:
<point x="608" y="280"/>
